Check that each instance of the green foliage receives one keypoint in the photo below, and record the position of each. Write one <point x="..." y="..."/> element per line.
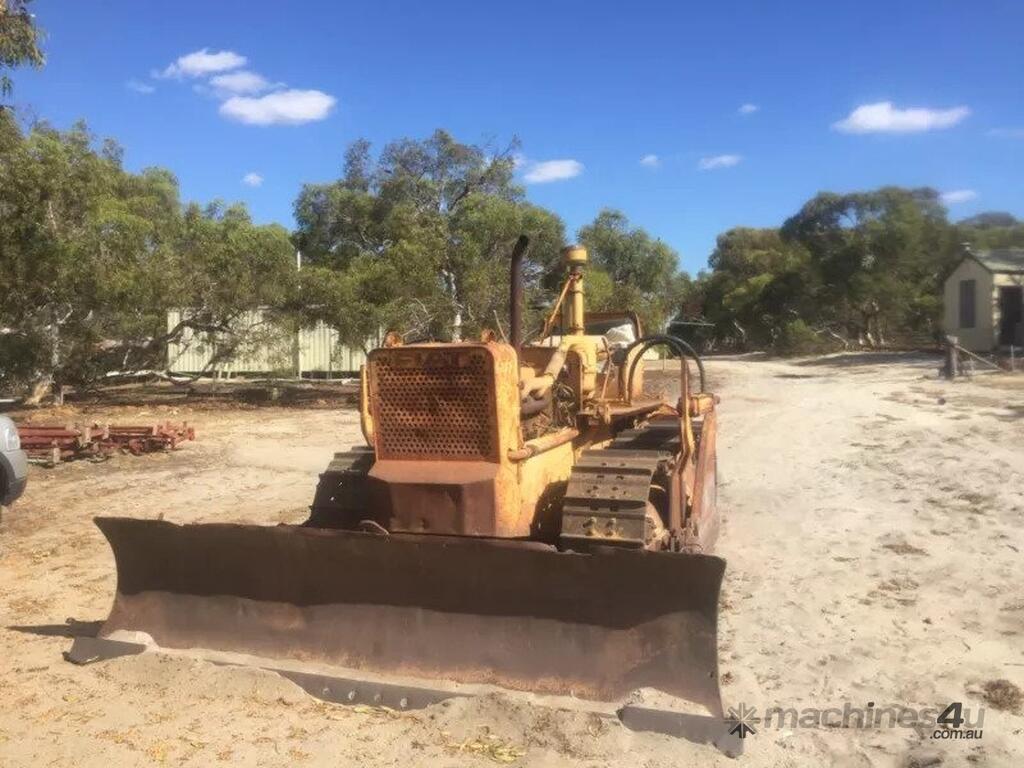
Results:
<point x="758" y="280"/>
<point x="989" y="220"/>
<point x="796" y="337"/>
<point x="877" y="257"/>
<point x="418" y="240"/>
<point x="19" y="41"/>
<point x="92" y="257"/>
<point x="993" y="229"/>
<point x="631" y="270"/>
<point x="860" y="268"/>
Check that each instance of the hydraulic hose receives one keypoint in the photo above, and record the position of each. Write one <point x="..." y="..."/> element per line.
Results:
<point x="677" y="345"/>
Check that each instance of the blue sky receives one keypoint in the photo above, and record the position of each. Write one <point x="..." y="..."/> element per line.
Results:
<point x="840" y="95"/>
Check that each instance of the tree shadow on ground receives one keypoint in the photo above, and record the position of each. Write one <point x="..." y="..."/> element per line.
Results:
<point x="856" y="359"/>
<point x="210" y="396"/>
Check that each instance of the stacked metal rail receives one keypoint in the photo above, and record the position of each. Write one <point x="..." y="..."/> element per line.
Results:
<point x="51" y="444"/>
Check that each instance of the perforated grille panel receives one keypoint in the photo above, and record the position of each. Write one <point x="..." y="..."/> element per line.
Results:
<point x="434" y="404"/>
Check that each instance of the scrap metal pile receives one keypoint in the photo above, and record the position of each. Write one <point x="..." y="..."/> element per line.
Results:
<point x="51" y="444"/>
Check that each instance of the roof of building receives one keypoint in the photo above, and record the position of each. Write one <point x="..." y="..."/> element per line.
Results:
<point x="1001" y="259"/>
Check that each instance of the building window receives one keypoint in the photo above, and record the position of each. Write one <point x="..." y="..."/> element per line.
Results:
<point x="967" y="303"/>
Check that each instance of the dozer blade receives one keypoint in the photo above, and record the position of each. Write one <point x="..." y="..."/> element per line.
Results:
<point x="513" y="614"/>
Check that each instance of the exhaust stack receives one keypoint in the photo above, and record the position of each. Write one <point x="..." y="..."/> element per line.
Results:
<point x="516" y="293"/>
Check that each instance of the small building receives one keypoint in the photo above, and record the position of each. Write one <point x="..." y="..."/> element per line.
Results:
<point x="983" y="302"/>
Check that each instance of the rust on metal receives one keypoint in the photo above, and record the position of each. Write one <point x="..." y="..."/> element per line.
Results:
<point x="518" y="615"/>
<point x="521" y="516"/>
<point x="433" y="402"/>
<point x="451" y="497"/>
<point x="515" y="298"/>
<point x="544" y="443"/>
<point x="444" y="418"/>
<point x="53" y="443"/>
<point x="704" y="518"/>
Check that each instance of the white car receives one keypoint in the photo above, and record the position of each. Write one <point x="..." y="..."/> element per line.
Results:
<point x="13" y="463"/>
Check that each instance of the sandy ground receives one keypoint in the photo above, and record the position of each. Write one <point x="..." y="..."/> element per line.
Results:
<point x="874" y="529"/>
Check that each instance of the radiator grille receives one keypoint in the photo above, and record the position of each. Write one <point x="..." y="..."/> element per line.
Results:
<point x="434" y="404"/>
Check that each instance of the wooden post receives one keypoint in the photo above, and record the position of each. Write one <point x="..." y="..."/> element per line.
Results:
<point x="951" y="366"/>
<point x="297" y="348"/>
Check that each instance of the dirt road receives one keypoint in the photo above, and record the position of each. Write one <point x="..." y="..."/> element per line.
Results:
<point x="874" y="529"/>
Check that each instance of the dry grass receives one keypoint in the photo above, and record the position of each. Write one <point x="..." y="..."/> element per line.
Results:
<point x="486" y="745"/>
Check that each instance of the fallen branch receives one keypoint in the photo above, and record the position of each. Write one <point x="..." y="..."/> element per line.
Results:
<point x="147" y="373"/>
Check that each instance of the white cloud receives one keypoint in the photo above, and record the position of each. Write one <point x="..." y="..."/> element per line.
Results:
<point x="883" y="117"/>
<point x="252" y="179"/>
<point x="202" y="62"/>
<point x="247" y="96"/>
<point x="748" y="109"/>
<point x="291" y="107"/>
<point x="718" y="161"/>
<point x="959" y="196"/>
<point x="1007" y="133"/>
<point x="552" y="170"/>
<point x="241" y="81"/>
<point x="139" y="87"/>
<point x="650" y="161"/>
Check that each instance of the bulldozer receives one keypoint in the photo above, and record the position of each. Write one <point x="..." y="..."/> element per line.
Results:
<point x="523" y="514"/>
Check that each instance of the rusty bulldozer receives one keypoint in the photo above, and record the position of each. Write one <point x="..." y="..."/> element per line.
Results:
<point x="522" y="516"/>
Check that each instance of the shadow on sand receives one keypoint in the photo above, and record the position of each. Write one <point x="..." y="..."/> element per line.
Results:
<point x="71" y="628"/>
<point x="855" y="359"/>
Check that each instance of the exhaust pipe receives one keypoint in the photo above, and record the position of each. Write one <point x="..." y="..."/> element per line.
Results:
<point x="516" y="293"/>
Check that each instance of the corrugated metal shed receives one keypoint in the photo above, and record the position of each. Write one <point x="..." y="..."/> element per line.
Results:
<point x="277" y="351"/>
<point x="1001" y="259"/>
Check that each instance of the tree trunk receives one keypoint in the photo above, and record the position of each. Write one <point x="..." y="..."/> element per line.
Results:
<point x="45" y="384"/>
<point x="742" y="332"/>
<point x="453" y="295"/>
<point x="39" y="390"/>
<point x="842" y="340"/>
<point x="457" y="325"/>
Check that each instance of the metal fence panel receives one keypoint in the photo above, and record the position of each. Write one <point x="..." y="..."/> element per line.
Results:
<point x="312" y="350"/>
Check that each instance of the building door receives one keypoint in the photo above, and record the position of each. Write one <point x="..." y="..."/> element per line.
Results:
<point x="1011" y="311"/>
